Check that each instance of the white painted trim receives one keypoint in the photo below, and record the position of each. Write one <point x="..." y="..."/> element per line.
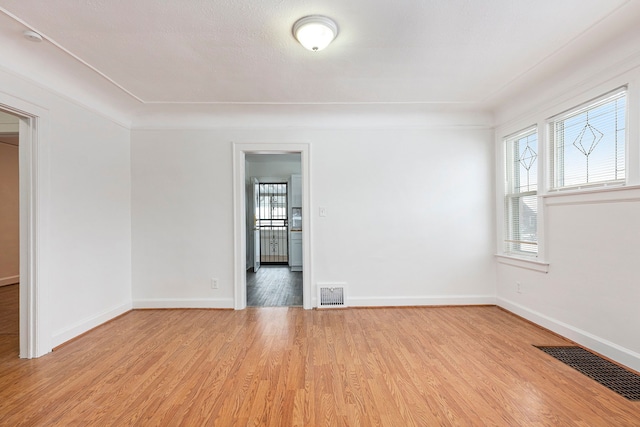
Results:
<point x="616" y="194"/>
<point x="568" y="93"/>
<point x="35" y="340"/>
<point x="537" y="263"/>
<point x="62" y="336"/>
<point x="599" y="345"/>
<point x="239" y="212"/>
<point x="35" y="335"/>
<point x="239" y="230"/>
<point x="421" y="301"/>
<point x="336" y="116"/>
<point x="71" y="54"/>
<point x="84" y="102"/>
<point x="183" y="303"/>
<point x="529" y="264"/>
<point x="9" y="280"/>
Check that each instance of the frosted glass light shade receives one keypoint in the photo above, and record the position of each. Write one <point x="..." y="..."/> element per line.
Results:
<point x="315" y="32"/>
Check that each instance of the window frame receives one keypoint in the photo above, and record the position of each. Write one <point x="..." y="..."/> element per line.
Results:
<point x="510" y="195"/>
<point x="541" y="114"/>
<point x="550" y="175"/>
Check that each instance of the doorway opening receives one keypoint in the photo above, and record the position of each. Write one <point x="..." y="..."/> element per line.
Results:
<point x="34" y="333"/>
<point x="9" y="235"/>
<point x="271" y="250"/>
<point x="272" y="280"/>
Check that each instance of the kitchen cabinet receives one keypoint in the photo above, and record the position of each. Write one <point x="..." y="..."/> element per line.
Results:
<point x="295" y="251"/>
<point x="295" y="223"/>
<point x="296" y="191"/>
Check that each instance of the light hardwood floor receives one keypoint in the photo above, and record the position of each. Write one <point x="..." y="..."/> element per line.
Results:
<point x="292" y="367"/>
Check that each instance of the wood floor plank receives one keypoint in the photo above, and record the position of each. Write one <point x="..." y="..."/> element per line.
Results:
<point x="285" y="366"/>
<point x="274" y="286"/>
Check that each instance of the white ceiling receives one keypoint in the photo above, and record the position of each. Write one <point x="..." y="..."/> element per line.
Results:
<point x="469" y="53"/>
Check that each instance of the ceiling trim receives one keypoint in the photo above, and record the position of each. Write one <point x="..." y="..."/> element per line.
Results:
<point x="71" y="54"/>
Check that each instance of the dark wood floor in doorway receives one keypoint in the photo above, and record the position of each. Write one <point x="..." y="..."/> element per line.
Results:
<point x="9" y="319"/>
<point x="274" y="286"/>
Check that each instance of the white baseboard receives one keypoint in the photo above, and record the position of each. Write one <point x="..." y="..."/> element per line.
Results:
<point x="599" y="345"/>
<point x="183" y="303"/>
<point x="421" y="301"/>
<point x="66" y="334"/>
<point x="10" y="280"/>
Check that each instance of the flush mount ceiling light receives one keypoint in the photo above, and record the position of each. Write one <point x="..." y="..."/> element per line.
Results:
<point x="315" y="32"/>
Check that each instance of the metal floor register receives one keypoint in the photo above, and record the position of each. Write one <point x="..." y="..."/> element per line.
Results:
<point x="610" y="375"/>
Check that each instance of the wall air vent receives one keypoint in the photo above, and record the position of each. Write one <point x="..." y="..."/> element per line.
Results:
<point x="332" y="295"/>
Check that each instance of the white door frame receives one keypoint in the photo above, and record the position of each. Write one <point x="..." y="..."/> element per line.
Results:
<point x="35" y="337"/>
<point x="239" y="215"/>
<point x="255" y="238"/>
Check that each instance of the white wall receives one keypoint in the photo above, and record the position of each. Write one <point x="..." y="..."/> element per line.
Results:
<point x="410" y="213"/>
<point x="85" y="199"/>
<point x="182" y="223"/>
<point x="90" y="220"/>
<point x="409" y="216"/>
<point x="590" y="293"/>
<point x="273" y="166"/>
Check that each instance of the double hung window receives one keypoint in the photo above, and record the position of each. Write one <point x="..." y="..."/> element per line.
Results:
<point x="586" y="147"/>
<point x="587" y="144"/>
<point x="521" y="198"/>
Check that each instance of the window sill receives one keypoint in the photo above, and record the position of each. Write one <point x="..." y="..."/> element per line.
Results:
<point x="521" y="262"/>
<point x="609" y="194"/>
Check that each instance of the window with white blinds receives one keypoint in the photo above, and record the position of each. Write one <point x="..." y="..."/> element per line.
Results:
<point x="521" y="195"/>
<point x="587" y="144"/>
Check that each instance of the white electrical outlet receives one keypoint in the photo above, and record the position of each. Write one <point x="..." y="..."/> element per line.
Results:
<point x="214" y="283"/>
<point x="518" y="287"/>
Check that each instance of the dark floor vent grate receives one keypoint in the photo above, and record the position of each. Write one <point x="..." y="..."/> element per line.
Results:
<point x="610" y="375"/>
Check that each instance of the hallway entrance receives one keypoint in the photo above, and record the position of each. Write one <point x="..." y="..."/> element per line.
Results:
<point x="266" y="163"/>
<point x="272" y="279"/>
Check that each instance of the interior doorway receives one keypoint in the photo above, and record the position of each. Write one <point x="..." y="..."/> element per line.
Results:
<point x="33" y="165"/>
<point x="271" y="278"/>
<point x="9" y="235"/>
<point x="270" y="163"/>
